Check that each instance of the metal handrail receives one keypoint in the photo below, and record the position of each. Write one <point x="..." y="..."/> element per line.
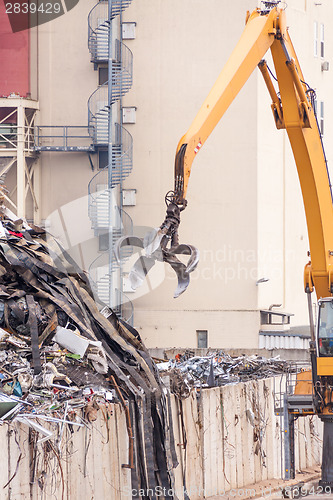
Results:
<point x="123" y="225"/>
<point x="97" y="107"/>
<point x="9" y="133"/>
<point x="98" y="21"/>
<point x="123" y="303"/>
<point x="99" y="101"/>
<point x="45" y="135"/>
<point x="122" y="162"/>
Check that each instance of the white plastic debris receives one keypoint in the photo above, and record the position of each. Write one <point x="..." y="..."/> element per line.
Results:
<point x="34" y="425"/>
<point x="73" y="342"/>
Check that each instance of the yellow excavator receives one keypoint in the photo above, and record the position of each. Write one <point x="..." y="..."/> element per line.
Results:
<point x="293" y="108"/>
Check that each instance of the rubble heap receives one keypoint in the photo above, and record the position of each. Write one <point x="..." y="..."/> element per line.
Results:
<point x="58" y="352"/>
<point x="218" y="369"/>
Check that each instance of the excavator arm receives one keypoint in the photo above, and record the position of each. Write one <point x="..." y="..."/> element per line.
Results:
<point x="293" y="110"/>
<point x="257" y="38"/>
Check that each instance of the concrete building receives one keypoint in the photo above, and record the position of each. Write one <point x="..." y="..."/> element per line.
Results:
<point x="245" y="210"/>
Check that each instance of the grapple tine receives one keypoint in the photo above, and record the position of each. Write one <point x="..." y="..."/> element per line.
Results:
<point x="152" y="242"/>
<point x="183" y="282"/>
<point x="126" y="241"/>
<point x="182" y="275"/>
<point x="191" y="250"/>
<point x="139" y="271"/>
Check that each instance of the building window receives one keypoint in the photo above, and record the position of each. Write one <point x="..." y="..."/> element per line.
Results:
<point x="322" y="40"/>
<point x="103" y="242"/>
<point x="103" y="158"/>
<point x="315" y="39"/>
<point x="103" y="74"/>
<point x="202" y="338"/>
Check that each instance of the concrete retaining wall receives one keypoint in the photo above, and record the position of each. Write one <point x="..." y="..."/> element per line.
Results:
<point x="234" y="439"/>
<point x="90" y="466"/>
<point x="227" y="438"/>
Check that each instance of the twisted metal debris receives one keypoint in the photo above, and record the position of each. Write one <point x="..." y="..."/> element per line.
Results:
<point x="218" y="369"/>
<point x="59" y="353"/>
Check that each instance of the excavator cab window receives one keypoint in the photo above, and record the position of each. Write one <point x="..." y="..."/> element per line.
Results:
<point x="325" y="328"/>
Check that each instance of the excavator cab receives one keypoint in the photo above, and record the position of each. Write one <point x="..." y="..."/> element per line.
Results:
<point x="324" y="340"/>
<point x="325" y="327"/>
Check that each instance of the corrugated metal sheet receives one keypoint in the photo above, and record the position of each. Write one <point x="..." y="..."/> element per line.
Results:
<point x="282" y="341"/>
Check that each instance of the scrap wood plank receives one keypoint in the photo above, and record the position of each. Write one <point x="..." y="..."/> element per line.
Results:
<point x="271" y="444"/>
<point x="123" y="454"/>
<point x="302" y="443"/>
<point x="249" y="388"/>
<point x="317" y="438"/>
<point x="308" y="443"/>
<point x="246" y="432"/>
<point x="297" y="451"/>
<point x="211" y="407"/>
<point x="14" y="455"/>
<point x="80" y="440"/>
<point x="264" y="396"/>
<point x="215" y="409"/>
<point x="103" y="427"/>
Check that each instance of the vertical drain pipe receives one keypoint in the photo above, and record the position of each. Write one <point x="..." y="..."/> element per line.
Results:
<point x="110" y="228"/>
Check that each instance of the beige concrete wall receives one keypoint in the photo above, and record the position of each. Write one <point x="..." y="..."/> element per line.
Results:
<point x="179" y="51"/>
<point x="178" y="329"/>
<point x="245" y="210"/>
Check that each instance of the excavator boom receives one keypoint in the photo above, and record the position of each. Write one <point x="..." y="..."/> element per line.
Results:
<point x="257" y="38"/>
<point x="293" y="110"/>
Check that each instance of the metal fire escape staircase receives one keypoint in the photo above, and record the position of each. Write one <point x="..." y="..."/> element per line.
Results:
<point x="106" y="217"/>
<point x="98" y="103"/>
<point x="98" y="27"/>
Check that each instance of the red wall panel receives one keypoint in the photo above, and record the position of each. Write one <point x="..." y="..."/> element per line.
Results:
<point x="14" y="58"/>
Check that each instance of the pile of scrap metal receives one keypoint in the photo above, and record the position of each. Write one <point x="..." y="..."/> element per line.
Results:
<point x="58" y="352"/>
<point x="217" y="369"/>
